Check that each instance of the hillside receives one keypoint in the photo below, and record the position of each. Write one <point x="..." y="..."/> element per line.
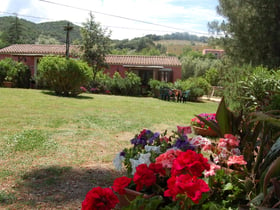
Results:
<point x="30" y="31"/>
<point x="176" y="47"/>
<point x="53" y="33"/>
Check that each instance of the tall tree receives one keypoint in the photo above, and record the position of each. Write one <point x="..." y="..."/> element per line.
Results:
<point x="252" y="31"/>
<point x="14" y="33"/>
<point x="96" y="44"/>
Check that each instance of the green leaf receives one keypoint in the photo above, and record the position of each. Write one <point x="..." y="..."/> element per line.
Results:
<point x="228" y="186"/>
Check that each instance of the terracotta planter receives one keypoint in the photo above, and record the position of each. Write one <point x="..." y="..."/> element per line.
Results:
<point x="7" y="84"/>
<point x="204" y="132"/>
<point x="129" y="196"/>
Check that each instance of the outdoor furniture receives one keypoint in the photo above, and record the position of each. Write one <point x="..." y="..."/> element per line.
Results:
<point x="185" y="95"/>
<point x="165" y="93"/>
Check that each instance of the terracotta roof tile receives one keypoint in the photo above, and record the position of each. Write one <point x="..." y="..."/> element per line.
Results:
<point x="33" y="49"/>
<point x="36" y="49"/>
<point x="142" y="60"/>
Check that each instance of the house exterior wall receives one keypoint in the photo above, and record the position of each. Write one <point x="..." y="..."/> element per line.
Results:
<point x="176" y="71"/>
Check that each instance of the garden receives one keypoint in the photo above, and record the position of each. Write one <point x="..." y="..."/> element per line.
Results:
<point x="54" y="149"/>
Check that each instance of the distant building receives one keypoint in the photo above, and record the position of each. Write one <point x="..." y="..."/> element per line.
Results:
<point x="215" y="52"/>
<point x="163" y="68"/>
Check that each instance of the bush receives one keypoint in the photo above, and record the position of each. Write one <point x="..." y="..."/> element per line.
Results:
<point x="156" y="85"/>
<point x="252" y="89"/>
<point x="64" y="76"/>
<point x="198" y="87"/>
<point x="128" y="86"/>
<point x="16" y="72"/>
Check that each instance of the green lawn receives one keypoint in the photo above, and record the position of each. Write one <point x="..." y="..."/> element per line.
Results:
<point x="54" y="149"/>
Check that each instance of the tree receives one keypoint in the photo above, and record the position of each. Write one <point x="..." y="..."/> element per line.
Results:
<point x="95" y="45"/>
<point x="252" y="31"/>
<point x="14" y="33"/>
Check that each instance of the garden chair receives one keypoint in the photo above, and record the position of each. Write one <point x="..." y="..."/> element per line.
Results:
<point x="185" y="95"/>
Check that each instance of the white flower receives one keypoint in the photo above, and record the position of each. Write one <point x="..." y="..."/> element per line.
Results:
<point x="118" y="161"/>
<point x="156" y="149"/>
<point x="143" y="159"/>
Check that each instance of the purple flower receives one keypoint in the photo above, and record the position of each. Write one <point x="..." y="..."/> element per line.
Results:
<point x="151" y="140"/>
<point x="183" y="143"/>
<point x="122" y="153"/>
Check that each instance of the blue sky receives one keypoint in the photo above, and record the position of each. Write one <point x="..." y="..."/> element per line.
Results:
<point x="168" y="16"/>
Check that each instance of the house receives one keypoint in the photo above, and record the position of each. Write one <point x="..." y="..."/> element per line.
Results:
<point x="215" y="52"/>
<point x="163" y="68"/>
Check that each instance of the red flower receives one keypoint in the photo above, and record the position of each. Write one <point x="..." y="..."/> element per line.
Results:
<point x="184" y="129"/>
<point x="157" y="169"/>
<point x="186" y="185"/>
<point x="141" y="134"/>
<point x="190" y="162"/>
<point x="100" y="199"/>
<point x="143" y="177"/>
<point x="120" y="183"/>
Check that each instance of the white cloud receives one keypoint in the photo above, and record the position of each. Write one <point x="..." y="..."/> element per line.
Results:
<point x="184" y="14"/>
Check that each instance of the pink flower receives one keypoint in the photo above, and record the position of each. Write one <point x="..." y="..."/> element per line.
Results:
<point x="83" y="89"/>
<point x="166" y="159"/>
<point x="184" y="129"/>
<point x="164" y="139"/>
<point x="236" y="160"/>
<point x="202" y="142"/>
<point x="213" y="169"/>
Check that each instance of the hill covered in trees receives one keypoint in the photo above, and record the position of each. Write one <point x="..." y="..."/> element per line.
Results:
<point x="16" y="30"/>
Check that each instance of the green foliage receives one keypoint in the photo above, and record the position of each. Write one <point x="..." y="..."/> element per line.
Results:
<point x="212" y="76"/>
<point x="52" y="31"/>
<point x="198" y="87"/>
<point x="16" y="72"/>
<point x="195" y="64"/>
<point x="251" y="32"/>
<point x="251" y="89"/>
<point x="95" y="44"/>
<point x="227" y="191"/>
<point x="59" y="72"/>
<point x="128" y="86"/>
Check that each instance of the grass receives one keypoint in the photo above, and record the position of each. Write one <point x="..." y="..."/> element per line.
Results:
<point x="54" y="149"/>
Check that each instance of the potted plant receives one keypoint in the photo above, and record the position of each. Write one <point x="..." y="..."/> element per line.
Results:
<point x="8" y="82"/>
<point x="200" y="127"/>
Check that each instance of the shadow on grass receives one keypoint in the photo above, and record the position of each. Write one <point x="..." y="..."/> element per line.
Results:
<point x="51" y="93"/>
<point x="56" y="186"/>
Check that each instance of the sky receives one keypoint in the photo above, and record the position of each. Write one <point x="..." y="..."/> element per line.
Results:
<point x="126" y="19"/>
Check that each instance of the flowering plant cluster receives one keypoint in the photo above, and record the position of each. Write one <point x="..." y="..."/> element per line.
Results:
<point x="208" y="116"/>
<point x="169" y="168"/>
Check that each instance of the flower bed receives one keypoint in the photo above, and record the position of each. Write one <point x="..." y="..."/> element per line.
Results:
<point x="175" y="173"/>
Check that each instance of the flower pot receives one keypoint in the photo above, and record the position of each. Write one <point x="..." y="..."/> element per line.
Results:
<point x="204" y="132"/>
<point x="7" y="84"/>
<point x="129" y="196"/>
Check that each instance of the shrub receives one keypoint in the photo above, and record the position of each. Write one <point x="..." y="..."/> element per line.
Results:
<point x="64" y="76"/>
<point x="16" y="72"/>
<point x="251" y="89"/>
<point x="198" y="87"/>
<point x="132" y="84"/>
<point x="129" y="85"/>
